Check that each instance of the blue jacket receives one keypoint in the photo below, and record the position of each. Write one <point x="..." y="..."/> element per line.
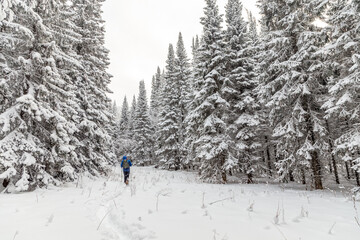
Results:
<point x="126" y="169"/>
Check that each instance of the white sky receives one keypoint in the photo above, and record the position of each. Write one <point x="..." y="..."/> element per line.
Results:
<point x="138" y="33"/>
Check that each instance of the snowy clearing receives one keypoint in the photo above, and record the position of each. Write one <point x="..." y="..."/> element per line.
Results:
<point x="174" y="205"/>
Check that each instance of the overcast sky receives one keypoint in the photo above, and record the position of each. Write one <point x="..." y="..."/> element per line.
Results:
<point x="138" y="33"/>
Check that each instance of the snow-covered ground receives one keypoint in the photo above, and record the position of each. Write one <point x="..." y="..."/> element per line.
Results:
<point x="174" y="205"/>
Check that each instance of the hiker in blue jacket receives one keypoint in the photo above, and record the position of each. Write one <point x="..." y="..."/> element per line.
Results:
<point x="125" y="165"/>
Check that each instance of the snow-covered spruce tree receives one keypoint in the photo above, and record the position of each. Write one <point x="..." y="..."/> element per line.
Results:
<point x="115" y="111"/>
<point x="343" y="59"/>
<point x="194" y="49"/>
<point x="264" y="130"/>
<point x="153" y="102"/>
<point x="158" y="82"/>
<point x="207" y="140"/>
<point x="143" y="133"/>
<point x="252" y="28"/>
<point x="238" y="90"/>
<point x="291" y="84"/>
<point x="183" y="76"/>
<point x="124" y="141"/>
<point x="132" y="117"/>
<point x="168" y="151"/>
<point x="124" y="118"/>
<point x="14" y="143"/>
<point x="195" y="46"/>
<point x="37" y="135"/>
<point x="92" y="88"/>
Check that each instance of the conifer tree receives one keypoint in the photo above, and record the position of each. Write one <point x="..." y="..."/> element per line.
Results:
<point x="92" y="86"/>
<point x="44" y="135"/>
<point x="124" y="118"/>
<point x="143" y="134"/>
<point x="132" y="116"/>
<point x="124" y="142"/>
<point x="342" y="107"/>
<point x="155" y="100"/>
<point x="183" y="80"/>
<point x="195" y="46"/>
<point x="38" y="139"/>
<point x="238" y="91"/>
<point x="206" y="131"/>
<point x="115" y="110"/>
<point x="168" y="151"/>
<point x="252" y="29"/>
<point x="291" y="84"/>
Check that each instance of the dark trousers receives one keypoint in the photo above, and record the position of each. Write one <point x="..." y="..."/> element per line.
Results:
<point x="126" y="176"/>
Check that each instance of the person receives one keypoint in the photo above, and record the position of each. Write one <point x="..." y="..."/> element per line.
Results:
<point x="125" y="165"/>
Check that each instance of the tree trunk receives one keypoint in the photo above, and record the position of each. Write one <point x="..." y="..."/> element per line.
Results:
<point x="224" y="177"/>
<point x="275" y="153"/>
<point x="303" y="176"/>
<point x="268" y="155"/>
<point x="357" y="177"/>
<point x="291" y="176"/>
<point x="223" y="172"/>
<point x="316" y="167"/>
<point x="334" y="166"/>
<point x="250" y="178"/>
<point x="347" y="170"/>
<point x="315" y="161"/>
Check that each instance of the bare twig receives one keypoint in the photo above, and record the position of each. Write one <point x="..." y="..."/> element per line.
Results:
<point x="103" y="219"/>
<point x="164" y="193"/>
<point x="251" y="207"/>
<point x="357" y="221"/>
<point x="277" y="215"/>
<point x="332" y="227"/>
<point x="280" y="231"/>
<point x="229" y="198"/>
<point x="16" y="233"/>
<point x="203" y="201"/>
<point x="356" y="212"/>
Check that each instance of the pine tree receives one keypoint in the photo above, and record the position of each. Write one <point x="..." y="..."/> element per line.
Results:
<point x="342" y="61"/>
<point x="155" y="98"/>
<point x="124" y="142"/>
<point x="207" y="139"/>
<point x="238" y="91"/>
<point x="55" y="116"/>
<point x="124" y="118"/>
<point x="142" y="129"/>
<point x="168" y="151"/>
<point x="132" y="116"/>
<point x="183" y="79"/>
<point x="252" y="29"/>
<point x="37" y="135"/>
<point x="291" y="84"/>
<point x="153" y="101"/>
<point x="195" y="46"/>
<point x="92" y="87"/>
<point x="115" y="111"/>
